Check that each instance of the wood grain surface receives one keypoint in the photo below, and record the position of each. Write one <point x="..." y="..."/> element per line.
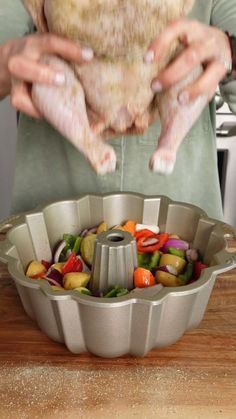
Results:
<point x="195" y="378"/>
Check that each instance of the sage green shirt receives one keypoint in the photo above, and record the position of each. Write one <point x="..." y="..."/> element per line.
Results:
<point x="49" y="168"/>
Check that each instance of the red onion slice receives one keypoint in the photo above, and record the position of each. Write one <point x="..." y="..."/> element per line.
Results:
<point x="58" y="251"/>
<point x="92" y="230"/>
<point x="85" y="267"/>
<point x="176" y="243"/>
<point x="192" y="255"/>
<point x="87" y="231"/>
<point x="53" y="282"/>
<point x="83" y="232"/>
<point x="55" y="275"/>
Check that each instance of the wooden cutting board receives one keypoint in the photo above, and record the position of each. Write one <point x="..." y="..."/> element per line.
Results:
<point x="195" y="378"/>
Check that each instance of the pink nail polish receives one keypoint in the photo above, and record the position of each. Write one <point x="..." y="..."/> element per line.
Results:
<point x="149" y="57"/>
<point x="156" y="86"/>
<point x="59" y="79"/>
<point x="87" y="54"/>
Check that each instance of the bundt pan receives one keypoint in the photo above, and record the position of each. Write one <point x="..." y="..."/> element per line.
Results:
<point x="132" y="324"/>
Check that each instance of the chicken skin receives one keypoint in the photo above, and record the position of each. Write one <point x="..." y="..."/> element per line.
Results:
<point x="112" y="93"/>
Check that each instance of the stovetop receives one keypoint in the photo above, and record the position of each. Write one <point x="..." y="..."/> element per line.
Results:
<point x="225" y="119"/>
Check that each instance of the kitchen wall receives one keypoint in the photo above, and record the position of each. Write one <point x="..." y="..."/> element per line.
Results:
<point x="7" y="155"/>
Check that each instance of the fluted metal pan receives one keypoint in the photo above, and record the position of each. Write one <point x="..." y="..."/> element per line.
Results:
<point x="134" y="323"/>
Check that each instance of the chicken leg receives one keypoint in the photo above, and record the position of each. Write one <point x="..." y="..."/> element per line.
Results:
<point x="64" y="107"/>
<point x="176" y="122"/>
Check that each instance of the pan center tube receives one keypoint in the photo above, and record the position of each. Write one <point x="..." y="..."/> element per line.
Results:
<point x="114" y="261"/>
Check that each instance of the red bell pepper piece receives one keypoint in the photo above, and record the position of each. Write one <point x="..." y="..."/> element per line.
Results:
<point x="73" y="264"/>
<point x="161" y="240"/>
<point x="198" y="267"/>
<point x="144" y="233"/>
<point x="41" y="275"/>
<point x="46" y="264"/>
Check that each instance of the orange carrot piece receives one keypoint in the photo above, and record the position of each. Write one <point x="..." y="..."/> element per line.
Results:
<point x="130" y="226"/>
<point x="143" y="278"/>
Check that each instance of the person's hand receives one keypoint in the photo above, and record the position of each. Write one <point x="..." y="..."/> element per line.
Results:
<point x="22" y="61"/>
<point x="204" y="45"/>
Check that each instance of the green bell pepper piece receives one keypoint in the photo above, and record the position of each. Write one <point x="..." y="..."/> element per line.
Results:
<point x="77" y="244"/>
<point x="63" y="257"/>
<point x="155" y="259"/>
<point x="176" y="252"/>
<point x="144" y="260"/>
<point x="149" y="260"/>
<point x="116" y="292"/>
<point x="70" y="240"/>
<point x="113" y="292"/>
<point x="187" y="275"/>
<point x="122" y="291"/>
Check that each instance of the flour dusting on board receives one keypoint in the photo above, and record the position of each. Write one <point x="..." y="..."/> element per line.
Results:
<point x="48" y="391"/>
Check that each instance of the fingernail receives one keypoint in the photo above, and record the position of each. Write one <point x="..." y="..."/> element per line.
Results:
<point x="87" y="54"/>
<point x="59" y="79"/>
<point x="156" y="86"/>
<point x="183" y="98"/>
<point x="149" y="56"/>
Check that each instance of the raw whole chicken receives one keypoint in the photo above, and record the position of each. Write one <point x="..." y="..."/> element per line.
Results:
<point x="112" y="93"/>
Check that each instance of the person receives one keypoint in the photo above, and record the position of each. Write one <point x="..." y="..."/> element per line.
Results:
<point x="49" y="168"/>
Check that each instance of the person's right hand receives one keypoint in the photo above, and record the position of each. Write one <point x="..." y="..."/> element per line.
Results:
<point x="22" y="61"/>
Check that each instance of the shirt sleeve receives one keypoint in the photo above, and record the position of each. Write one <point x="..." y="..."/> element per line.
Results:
<point x="224" y="17"/>
<point x="14" y="20"/>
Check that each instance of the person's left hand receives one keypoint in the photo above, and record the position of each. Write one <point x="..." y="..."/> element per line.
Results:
<point x="204" y="45"/>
